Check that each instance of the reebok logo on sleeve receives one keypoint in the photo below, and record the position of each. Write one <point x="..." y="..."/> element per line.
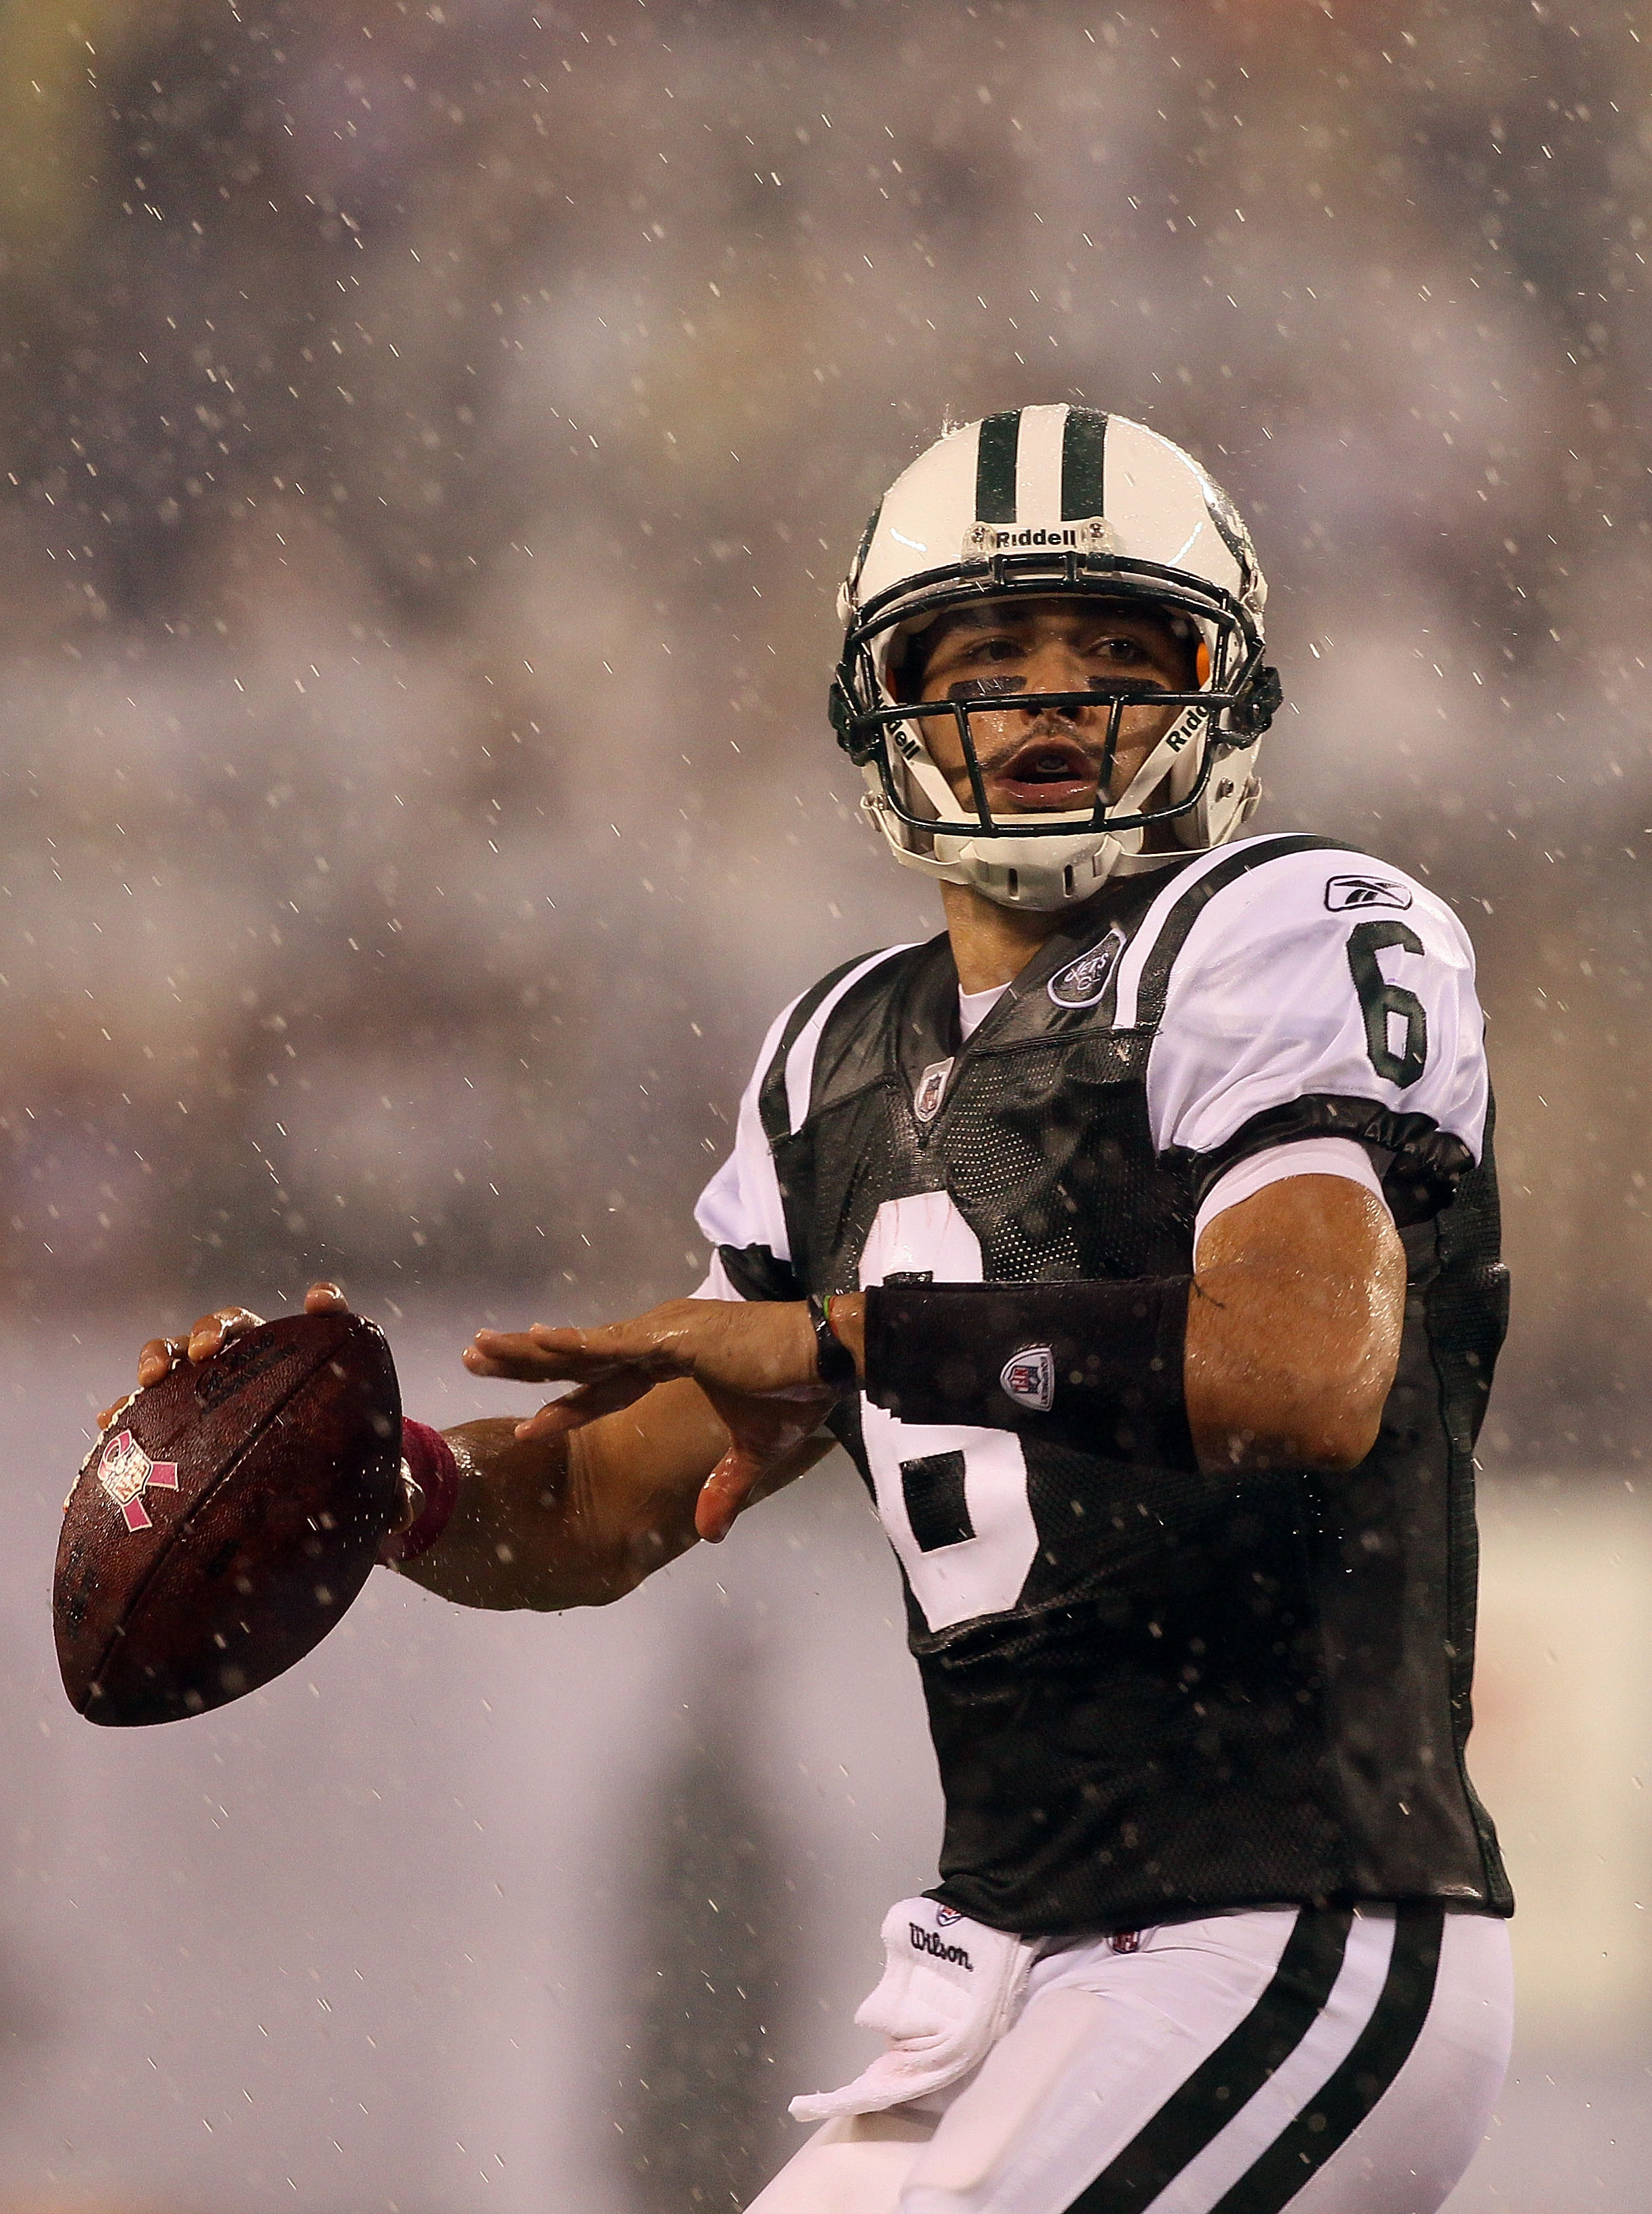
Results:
<point x="1365" y="891"/>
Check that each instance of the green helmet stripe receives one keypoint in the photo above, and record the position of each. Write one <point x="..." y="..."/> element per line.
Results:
<point x="1083" y="449"/>
<point x="995" y="468"/>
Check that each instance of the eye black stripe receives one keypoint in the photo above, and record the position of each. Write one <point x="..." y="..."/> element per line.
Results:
<point x="1235" y="2071"/>
<point x="995" y="468"/>
<point x="1084" y="452"/>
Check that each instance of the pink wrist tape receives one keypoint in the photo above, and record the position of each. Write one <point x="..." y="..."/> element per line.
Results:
<point x="433" y="1468"/>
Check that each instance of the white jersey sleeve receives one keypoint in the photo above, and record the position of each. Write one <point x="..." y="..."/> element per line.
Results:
<point x="740" y="1210"/>
<point x="1322" y="993"/>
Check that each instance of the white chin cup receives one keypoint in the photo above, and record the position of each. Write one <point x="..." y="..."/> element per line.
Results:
<point x="1040" y="873"/>
<point x="1043" y="872"/>
<point x="1035" y="872"/>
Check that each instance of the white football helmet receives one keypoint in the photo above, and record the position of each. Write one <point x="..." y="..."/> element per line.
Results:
<point x="1032" y="503"/>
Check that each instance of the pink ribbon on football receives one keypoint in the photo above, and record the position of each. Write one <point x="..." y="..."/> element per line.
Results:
<point x="125" y="1471"/>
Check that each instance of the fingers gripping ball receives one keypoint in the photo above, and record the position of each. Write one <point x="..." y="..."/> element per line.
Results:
<point x="225" y="1520"/>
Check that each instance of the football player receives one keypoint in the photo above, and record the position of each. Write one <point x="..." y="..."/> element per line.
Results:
<point x="1138" y="1239"/>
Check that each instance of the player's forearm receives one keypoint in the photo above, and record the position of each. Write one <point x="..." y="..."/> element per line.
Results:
<point x="576" y="1521"/>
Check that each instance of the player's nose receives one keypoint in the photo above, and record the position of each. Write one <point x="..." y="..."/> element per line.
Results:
<point x="1053" y="665"/>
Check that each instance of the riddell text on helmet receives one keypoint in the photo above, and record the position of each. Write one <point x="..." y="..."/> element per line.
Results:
<point x="1091" y="533"/>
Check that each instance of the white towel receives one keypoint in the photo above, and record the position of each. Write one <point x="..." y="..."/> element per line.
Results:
<point x="950" y="1990"/>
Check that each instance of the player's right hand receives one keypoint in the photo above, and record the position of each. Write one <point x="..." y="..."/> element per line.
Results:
<point x="209" y="1333"/>
<point x="756" y="1361"/>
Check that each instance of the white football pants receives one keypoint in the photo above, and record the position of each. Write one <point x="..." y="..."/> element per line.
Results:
<point x="1329" y="2061"/>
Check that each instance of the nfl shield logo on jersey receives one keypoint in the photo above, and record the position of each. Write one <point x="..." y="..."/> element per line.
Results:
<point x="931" y="1090"/>
<point x="1029" y="1379"/>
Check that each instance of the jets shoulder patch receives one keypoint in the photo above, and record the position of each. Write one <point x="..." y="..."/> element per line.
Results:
<point x="1082" y="983"/>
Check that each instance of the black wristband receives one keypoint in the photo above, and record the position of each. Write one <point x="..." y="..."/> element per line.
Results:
<point x="1093" y="1365"/>
<point x="831" y="1356"/>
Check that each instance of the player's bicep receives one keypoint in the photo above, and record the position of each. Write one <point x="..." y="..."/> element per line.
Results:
<point x="1294" y="1330"/>
<point x="1328" y="1235"/>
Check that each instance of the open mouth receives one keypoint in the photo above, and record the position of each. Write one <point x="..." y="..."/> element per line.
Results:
<point x="1052" y="773"/>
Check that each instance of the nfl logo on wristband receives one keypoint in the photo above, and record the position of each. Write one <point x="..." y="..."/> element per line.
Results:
<point x="1029" y="1379"/>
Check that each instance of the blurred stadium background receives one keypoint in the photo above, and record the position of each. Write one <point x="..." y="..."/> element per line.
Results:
<point x="429" y="439"/>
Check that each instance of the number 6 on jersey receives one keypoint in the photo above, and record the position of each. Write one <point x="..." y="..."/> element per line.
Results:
<point x="1385" y="1004"/>
<point x="952" y="1501"/>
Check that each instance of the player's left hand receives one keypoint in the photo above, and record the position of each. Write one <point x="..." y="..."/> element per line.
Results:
<point x="756" y="1363"/>
<point x="209" y="1335"/>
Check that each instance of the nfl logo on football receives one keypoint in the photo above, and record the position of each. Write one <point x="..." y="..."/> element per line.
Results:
<point x="125" y="1471"/>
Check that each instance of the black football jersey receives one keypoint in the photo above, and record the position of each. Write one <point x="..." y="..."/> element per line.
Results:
<point x="1156" y="1694"/>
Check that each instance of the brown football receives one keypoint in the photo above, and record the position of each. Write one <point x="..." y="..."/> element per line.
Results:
<point x="222" y="1525"/>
